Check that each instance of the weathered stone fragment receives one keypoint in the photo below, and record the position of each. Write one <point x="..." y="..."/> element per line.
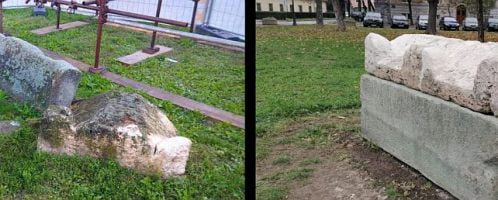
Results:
<point x="28" y="75"/>
<point x="443" y="67"/>
<point x="120" y="126"/>
<point x="7" y="127"/>
<point x="269" y="21"/>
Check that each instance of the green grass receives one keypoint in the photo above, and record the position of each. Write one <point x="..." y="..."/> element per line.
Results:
<point x="310" y="75"/>
<point x="215" y="168"/>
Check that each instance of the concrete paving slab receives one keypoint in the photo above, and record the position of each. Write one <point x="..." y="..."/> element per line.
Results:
<point x="140" y="56"/>
<point x="51" y="29"/>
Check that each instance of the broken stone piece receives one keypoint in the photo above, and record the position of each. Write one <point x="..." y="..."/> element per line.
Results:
<point x="7" y="127"/>
<point x="121" y="126"/>
<point x="28" y="75"/>
<point x="444" y="67"/>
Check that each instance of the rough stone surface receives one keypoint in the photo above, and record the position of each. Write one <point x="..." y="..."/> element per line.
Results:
<point x="7" y="127"/>
<point x="28" y="75"/>
<point x="120" y="126"/>
<point x="443" y="67"/>
<point x="269" y="21"/>
<point x="454" y="147"/>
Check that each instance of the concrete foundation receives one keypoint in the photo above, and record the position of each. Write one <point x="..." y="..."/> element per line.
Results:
<point x="454" y="147"/>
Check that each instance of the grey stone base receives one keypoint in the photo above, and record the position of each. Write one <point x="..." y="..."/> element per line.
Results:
<point x="453" y="146"/>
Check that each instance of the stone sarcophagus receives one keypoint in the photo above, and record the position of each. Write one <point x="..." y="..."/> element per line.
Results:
<point x="429" y="100"/>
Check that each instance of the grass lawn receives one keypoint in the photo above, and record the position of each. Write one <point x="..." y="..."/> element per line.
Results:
<point x="216" y="77"/>
<point x="302" y="71"/>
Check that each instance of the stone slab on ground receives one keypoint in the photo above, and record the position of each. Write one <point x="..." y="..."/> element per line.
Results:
<point x="51" y="29"/>
<point x="120" y="126"/>
<point x="269" y="21"/>
<point x="28" y="75"/>
<point x="7" y="127"/>
<point x="453" y="146"/>
<point x="140" y="56"/>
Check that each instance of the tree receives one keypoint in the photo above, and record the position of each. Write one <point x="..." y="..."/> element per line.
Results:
<point x="319" y="12"/>
<point x="481" y="7"/>
<point x="410" y="14"/>
<point x="472" y="6"/>
<point x="339" y="14"/>
<point x="480" y="21"/>
<point x="348" y="8"/>
<point x="431" y="26"/>
<point x="293" y="14"/>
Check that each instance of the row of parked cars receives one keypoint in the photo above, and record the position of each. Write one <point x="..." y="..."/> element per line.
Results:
<point x="374" y="19"/>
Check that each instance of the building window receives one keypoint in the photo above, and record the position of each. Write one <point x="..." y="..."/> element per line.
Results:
<point x="270" y="7"/>
<point x="309" y="7"/>
<point x="300" y="8"/>
<point x="281" y="7"/>
<point x="258" y="6"/>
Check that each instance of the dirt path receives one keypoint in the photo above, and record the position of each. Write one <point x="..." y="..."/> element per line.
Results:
<point x="323" y="157"/>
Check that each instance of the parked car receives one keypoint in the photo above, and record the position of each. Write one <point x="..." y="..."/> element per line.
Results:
<point x="373" y="19"/>
<point x="448" y="23"/>
<point x="399" y="21"/>
<point x="357" y="15"/>
<point x="469" y="24"/>
<point x="422" y="21"/>
<point x="492" y="24"/>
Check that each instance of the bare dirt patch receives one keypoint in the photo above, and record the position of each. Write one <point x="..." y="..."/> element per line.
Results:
<point x="323" y="156"/>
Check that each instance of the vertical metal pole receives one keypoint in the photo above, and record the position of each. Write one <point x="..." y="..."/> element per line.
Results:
<point x="58" y="15"/>
<point x="151" y="49"/>
<point x="194" y="13"/>
<point x="101" y="20"/>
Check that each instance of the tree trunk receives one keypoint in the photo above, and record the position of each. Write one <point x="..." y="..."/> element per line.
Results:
<point x="370" y="6"/>
<point x="364" y="6"/>
<point x="319" y="12"/>
<point x="293" y="14"/>
<point x="431" y="26"/>
<point x="480" y="21"/>
<point x="410" y="14"/>
<point x="348" y="7"/>
<point x="339" y="14"/>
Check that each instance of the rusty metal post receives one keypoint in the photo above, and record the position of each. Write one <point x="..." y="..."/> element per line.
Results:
<point x="101" y="20"/>
<point x="58" y="15"/>
<point x="152" y="49"/>
<point x="194" y="13"/>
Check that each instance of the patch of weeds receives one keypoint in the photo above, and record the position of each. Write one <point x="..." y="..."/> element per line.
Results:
<point x="287" y="140"/>
<point x="282" y="160"/>
<point x="343" y="156"/>
<point x="274" y="177"/>
<point x="314" y="137"/>
<point x="312" y="161"/>
<point x="262" y="150"/>
<point x="271" y="192"/>
<point x="391" y="191"/>
<point x="299" y="174"/>
<point x="426" y="186"/>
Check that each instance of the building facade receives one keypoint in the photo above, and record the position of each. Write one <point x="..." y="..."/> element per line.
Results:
<point x="454" y="8"/>
<point x="286" y="6"/>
